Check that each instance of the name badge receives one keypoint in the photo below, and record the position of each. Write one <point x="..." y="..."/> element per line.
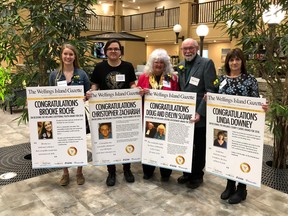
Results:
<point x="120" y="78"/>
<point x="223" y="83"/>
<point x="62" y="83"/>
<point x="166" y="84"/>
<point x="194" y="81"/>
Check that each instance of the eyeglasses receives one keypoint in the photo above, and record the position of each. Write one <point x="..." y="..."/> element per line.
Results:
<point x="188" y="48"/>
<point x="113" y="49"/>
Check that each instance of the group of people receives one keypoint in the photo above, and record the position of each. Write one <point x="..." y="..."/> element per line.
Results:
<point x="195" y="74"/>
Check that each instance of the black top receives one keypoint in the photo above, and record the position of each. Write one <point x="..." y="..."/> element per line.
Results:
<point x="107" y="77"/>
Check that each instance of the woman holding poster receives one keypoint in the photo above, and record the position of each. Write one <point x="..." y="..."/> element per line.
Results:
<point x="158" y="75"/>
<point x="70" y="73"/>
<point x="237" y="82"/>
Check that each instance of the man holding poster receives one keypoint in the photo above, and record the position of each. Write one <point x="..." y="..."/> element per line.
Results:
<point x="239" y="124"/>
<point x="196" y="74"/>
<point x="114" y="74"/>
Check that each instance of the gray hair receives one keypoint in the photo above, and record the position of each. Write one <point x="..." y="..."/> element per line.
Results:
<point x="162" y="55"/>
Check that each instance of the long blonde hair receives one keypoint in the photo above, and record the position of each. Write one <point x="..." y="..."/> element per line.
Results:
<point x="76" y="63"/>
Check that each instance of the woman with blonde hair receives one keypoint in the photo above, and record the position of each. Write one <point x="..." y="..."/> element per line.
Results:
<point x="160" y="134"/>
<point x="70" y="73"/>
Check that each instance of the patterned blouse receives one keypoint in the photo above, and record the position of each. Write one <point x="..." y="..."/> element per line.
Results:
<point x="243" y="85"/>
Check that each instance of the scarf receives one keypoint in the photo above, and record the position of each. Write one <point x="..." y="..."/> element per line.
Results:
<point x="153" y="82"/>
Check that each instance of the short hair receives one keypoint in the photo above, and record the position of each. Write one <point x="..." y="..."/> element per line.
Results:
<point x="220" y="133"/>
<point x="76" y="63"/>
<point x="109" y="42"/>
<point x="162" y="55"/>
<point x="161" y="126"/>
<point x="235" y="53"/>
<point x="107" y="124"/>
<point x="195" y="43"/>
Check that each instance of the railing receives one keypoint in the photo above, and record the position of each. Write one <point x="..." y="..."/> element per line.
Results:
<point x="205" y="12"/>
<point x="201" y="13"/>
<point x="151" y="20"/>
<point x="101" y="23"/>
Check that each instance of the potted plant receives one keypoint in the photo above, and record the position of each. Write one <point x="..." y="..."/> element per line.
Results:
<point x="34" y="31"/>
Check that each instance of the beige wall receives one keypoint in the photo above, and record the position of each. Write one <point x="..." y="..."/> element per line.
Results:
<point x="134" y="52"/>
<point x="214" y="53"/>
<point x="151" y="6"/>
<point x="172" y="49"/>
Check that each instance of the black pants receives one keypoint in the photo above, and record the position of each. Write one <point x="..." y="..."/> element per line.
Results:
<point x="149" y="170"/>
<point x="199" y="154"/>
<point x="112" y="168"/>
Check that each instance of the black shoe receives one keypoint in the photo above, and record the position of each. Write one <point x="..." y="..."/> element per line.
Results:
<point x="111" y="179"/>
<point x="146" y="176"/>
<point x="129" y="176"/>
<point x="183" y="179"/>
<point x="165" y="178"/>
<point x="195" y="183"/>
<point x="238" y="196"/>
<point x="229" y="190"/>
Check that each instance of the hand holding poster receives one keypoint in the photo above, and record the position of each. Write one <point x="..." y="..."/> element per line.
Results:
<point x="116" y="126"/>
<point x="57" y="126"/>
<point x="235" y="134"/>
<point x="168" y="132"/>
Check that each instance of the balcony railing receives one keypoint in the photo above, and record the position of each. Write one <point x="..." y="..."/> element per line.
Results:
<point x="205" y="12"/>
<point x="101" y="23"/>
<point x="151" y="20"/>
<point x="201" y="13"/>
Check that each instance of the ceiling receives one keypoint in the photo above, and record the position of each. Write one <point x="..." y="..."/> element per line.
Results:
<point x="134" y="4"/>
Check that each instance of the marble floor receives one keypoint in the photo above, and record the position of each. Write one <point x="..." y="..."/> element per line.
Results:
<point x="43" y="196"/>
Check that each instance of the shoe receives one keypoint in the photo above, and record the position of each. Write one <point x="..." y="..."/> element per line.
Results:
<point x="183" y="179"/>
<point x="165" y="178"/>
<point x="129" y="176"/>
<point x="64" y="180"/>
<point x="229" y="190"/>
<point x="146" y="176"/>
<point x="80" y="179"/>
<point x="195" y="183"/>
<point x="238" y="196"/>
<point x="111" y="179"/>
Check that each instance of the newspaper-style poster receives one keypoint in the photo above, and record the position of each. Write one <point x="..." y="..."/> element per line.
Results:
<point x="116" y="125"/>
<point x="168" y="133"/>
<point x="235" y="137"/>
<point x="57" y="126"/>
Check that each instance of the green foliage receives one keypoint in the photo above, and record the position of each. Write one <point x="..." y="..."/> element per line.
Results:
<point x="266" y="48"/>
<point x="35" y="30"/>
<point x="4" y="80"/>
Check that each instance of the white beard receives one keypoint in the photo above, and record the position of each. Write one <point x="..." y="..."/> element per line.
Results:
<point x="190" y="58"/>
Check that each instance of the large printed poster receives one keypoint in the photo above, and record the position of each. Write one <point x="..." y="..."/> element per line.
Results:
<point x="168" y="133"/>
<point x="235" y="137"/>
<point x="116" y="126"/>
<point x="57" y="126"/>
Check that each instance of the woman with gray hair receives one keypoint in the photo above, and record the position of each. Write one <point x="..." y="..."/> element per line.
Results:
<point x="158" y="75"/>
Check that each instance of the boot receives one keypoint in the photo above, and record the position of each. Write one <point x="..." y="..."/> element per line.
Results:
<point x="239" y="195"/>
<point x="229" y="190"/>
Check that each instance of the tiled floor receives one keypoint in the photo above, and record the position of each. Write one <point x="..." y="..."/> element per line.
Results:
<point x="43" y="196"/>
